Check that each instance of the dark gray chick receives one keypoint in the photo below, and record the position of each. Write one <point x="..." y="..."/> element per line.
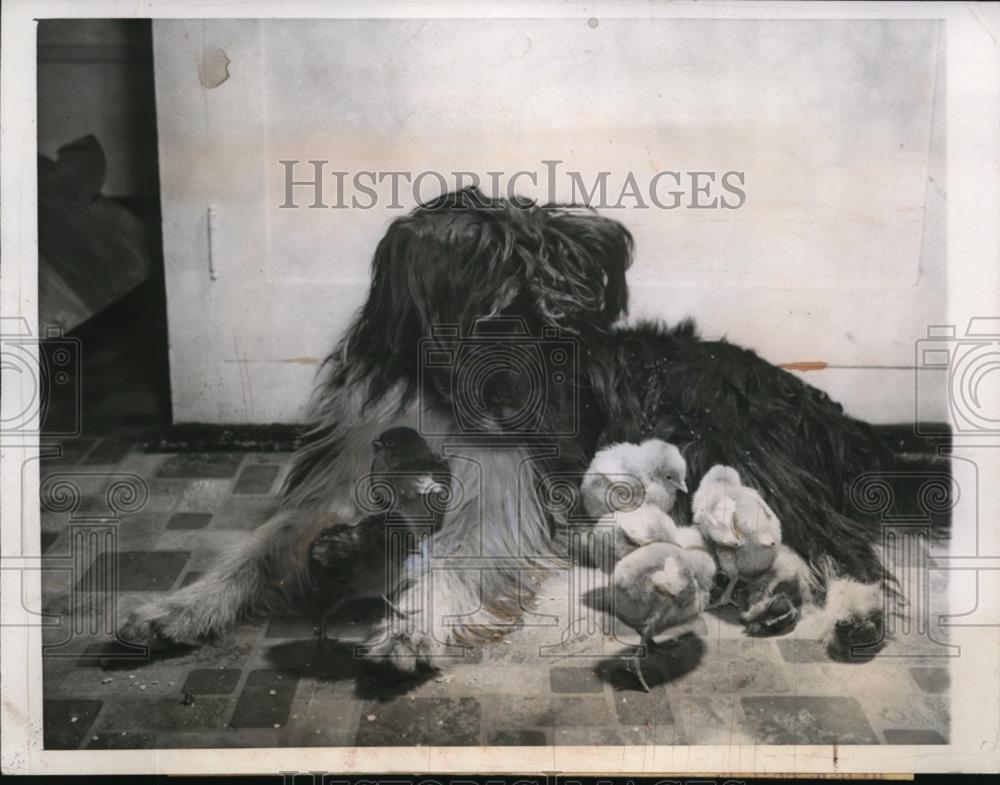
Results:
<point x="419" y="478"/>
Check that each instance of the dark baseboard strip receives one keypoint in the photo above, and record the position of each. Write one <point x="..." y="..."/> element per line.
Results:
<point x="924" y="438"/>
<point x="195" y="437"/>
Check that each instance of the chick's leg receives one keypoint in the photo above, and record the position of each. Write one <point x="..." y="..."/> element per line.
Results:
<point x="634" y="663"/>
<point x="727" y="594"/>
<point x="324" y="614"/>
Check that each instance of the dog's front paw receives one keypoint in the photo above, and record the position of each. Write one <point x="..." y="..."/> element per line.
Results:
<point x="404" y="653"/>
<point x="772" y="608"/>
<point x="857" y="638"/>
<point x="159" y="625"/>
<point x="138" y="628"/>
<point x="779" y="616"/>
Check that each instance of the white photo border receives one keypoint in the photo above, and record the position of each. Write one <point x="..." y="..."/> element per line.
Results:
<point x="972" y="33"/>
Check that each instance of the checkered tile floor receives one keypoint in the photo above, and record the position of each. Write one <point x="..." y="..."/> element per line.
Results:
<point x="269" y="684"/>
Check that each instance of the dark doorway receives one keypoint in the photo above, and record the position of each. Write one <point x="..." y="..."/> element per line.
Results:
<point x="102" y="301"/>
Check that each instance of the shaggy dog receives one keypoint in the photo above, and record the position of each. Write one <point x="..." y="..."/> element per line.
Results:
<point x="468" y="271"/>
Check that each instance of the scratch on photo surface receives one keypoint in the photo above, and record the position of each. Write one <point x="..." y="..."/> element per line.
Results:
<point x="303" y="360"/>
<point x="245" y="387"/>
<point x="983" y="23"/>
<point x="414" y="34"/>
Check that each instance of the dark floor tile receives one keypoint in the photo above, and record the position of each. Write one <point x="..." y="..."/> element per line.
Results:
<point x="322" y="721"/>
<point x="108" y="452"/>
<point x="634" y="707"/>
<point x="699" y="719"/>
<point x="913" y="736"/>
<point x="121" y="740"/>
<point x="140" y="531"/>
<point x="933" y="680"/>
<point x="940" y="708"/>
<point x="66" y="723"/>
<point x="518" y="711"/>
<point x="173" y="487"/>
<point x="580" y="711"/>
<point x="160" y="714"/>
<point x="783" y="719"/>
<point x="291" y="627"/>
<point x="518" y="738"/>
<point x="223" y="739"/>
<point x="574" y="680"/>
<point x="439" y="722"/>
<point x="211" y="681"/>
<point x="266" y="700"/>
<point x="189" y="520"/>
<point x="594" y="736"/>
<point x="802" y="651"/>
<point x="140" y="570"/>
<point x="214" y="465"/>
<point x="256" y="479"/>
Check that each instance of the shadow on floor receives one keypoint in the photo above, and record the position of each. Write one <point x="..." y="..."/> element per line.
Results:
<point x="666" y="662"/>
<point x="337" y="661"/>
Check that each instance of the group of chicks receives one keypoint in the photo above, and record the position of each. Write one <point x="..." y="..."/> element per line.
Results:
<point x="662" y="574"/>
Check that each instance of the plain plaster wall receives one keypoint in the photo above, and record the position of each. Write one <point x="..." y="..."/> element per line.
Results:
<point x="837" y="256"/>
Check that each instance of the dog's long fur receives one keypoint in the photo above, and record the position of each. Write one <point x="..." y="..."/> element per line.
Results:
<point x="468" y="257"/>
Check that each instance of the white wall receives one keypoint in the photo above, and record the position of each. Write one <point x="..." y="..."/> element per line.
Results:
<point x="837" y="256"/>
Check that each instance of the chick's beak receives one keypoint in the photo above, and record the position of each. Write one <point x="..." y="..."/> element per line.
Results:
<point x="680" y="485"/>
<point x="378" y="445"/>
